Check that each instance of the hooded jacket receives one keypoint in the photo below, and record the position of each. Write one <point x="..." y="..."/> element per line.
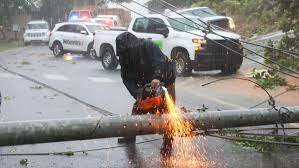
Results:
<point x="142" y="61"/>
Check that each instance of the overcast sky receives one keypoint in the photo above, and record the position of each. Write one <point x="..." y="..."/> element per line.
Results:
<point x="132" y="6"/>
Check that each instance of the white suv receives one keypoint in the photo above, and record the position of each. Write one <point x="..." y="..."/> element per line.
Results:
<point x="36" y="31"/>
<point x="73" y="37"/>
<point x="180" y="39"/>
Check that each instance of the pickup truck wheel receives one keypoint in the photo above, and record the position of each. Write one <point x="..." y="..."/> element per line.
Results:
<point x="183" y="63"/>
<point x="92" y="54"/>
<point x="57" y="49"/>
<point x="109" y="60"/>
<point x="229" y="70"/>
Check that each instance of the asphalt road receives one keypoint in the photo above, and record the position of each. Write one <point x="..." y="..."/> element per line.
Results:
<point x="86" y="80"/>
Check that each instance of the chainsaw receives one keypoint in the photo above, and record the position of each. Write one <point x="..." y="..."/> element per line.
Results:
<point x="152" y="99"/>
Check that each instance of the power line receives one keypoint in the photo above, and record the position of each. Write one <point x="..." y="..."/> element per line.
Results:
<point x="201" y="36"/>
<point x="245" y="79"/>
<point x="278" y="95"/>
<point x="160" y="1"/>
<point x="77" y="151"/>
<point x="291" y="53"/>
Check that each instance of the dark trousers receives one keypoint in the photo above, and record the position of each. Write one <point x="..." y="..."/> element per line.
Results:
<point x="167" y="139"/>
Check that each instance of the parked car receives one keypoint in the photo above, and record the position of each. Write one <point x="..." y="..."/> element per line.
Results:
<point x="210" y="16"/>
<point x="73" y="37"/>
<point x="191" y="52"/>
<point x="36" y="31"/>
<point x="109" y="20"/>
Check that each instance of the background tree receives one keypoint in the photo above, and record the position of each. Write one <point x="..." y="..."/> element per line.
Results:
<point x="288" y="15"/>
<point x="12" y="7"/>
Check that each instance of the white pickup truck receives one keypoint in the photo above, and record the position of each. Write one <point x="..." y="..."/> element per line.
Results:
<point x="182" y="42"/>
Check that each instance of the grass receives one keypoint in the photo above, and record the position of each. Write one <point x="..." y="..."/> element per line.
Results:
<point x="7" y="45"/>
<point x="24" y="62"/>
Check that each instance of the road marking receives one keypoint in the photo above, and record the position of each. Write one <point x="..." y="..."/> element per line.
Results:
<point x="214" y="99"/>
<point x="101" y="80"/>
<point x="9" y="76"/>
<point x="268" y="37"/>
<point x="55" y="77"/>
<point x="220" y="101"/>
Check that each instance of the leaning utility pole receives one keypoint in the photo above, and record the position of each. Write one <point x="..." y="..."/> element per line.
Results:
<point x="30" y="132"/>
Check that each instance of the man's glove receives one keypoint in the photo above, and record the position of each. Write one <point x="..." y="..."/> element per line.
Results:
<point x="139" y="94"/>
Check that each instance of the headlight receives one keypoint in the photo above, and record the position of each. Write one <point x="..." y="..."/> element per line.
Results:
<point x="231" y="23"/>
<point x="197" y="48"/>
<point x="199" y="44"/>
<point x="199" y="41"/>
<point x="195" y="41"/>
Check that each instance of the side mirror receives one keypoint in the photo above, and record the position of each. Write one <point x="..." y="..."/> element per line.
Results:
<point x="163" y="31"/>
<point x="83" y="32"/>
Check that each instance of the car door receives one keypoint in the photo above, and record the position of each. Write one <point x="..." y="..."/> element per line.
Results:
<point x="73" y="37"/>
<point x="148" y="28"/>
<point x="62" y="35"/>
<point x="80" y="38"/>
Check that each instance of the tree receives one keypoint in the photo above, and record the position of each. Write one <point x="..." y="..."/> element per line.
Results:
<point x="288" y="16"/>
<point x="12" y="7"/>
<point x="289" y="23"/>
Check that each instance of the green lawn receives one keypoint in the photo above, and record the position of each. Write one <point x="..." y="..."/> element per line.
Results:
<point x="5" y="45"/>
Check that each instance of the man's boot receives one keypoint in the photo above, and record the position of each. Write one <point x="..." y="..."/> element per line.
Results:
<point x="166" y="149"/>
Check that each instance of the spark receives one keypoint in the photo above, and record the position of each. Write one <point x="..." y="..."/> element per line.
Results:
<point x="186" y="153"/>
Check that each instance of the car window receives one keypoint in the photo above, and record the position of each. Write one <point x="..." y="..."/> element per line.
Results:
<point x="155" y="24"/>
<point x="141" y="25"/>
<point x="37" y="26"/>
<point x="78" y="28"/>
<point x="64" y="28"/>
<point x="148" y="25"/>
<point x="204" y="12"/>
<point x="183" y="24"/>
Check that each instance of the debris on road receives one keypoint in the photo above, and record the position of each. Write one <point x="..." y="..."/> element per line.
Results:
<point x="267" y="78"/>
<point x="36" y="87"/>
<point x="8" y="98"/>
<point x="24" y="162"/>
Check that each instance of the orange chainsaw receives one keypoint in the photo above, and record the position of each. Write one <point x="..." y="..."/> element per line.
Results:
<point x="152" y="98"/>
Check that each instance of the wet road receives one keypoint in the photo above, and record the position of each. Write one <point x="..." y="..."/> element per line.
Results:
<point x="86" y="80"/>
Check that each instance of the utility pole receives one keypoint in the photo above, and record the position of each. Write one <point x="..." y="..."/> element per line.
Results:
<point x="31" y="132"/>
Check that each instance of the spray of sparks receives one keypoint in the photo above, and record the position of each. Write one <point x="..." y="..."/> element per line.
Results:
<point x="186" y="153"/>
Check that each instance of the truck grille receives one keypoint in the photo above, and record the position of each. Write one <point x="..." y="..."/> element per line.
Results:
<point x="36" y="34"/>
<point x="223" y="23"/>
<point x="219" y="55"/>
<point x="217" y="49"/>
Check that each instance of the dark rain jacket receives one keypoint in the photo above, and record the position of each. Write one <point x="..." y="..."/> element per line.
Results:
<point x="142" y="61"/>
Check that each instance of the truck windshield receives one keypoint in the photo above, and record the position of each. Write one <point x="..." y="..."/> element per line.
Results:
<point x="183" y="24"/>
<point x="202" y="12"/>
<point x="37" y="26"/>
<point x="93" y="28"/>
